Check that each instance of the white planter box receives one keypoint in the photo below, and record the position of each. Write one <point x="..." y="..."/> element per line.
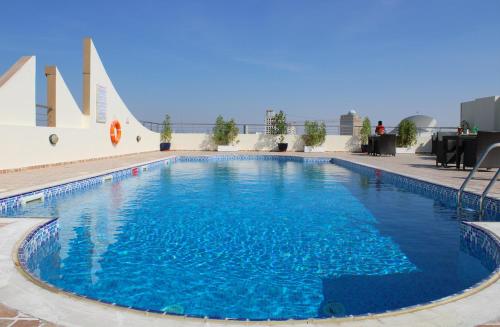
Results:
<point x="227" y="148"/>
<point x="314" y="149"/>
<point x="410" y="150"/>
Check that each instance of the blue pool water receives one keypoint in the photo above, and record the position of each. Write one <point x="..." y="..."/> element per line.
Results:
<point x="255" y="239"/>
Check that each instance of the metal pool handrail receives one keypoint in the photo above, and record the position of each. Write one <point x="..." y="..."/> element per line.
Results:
<point x="471" y="174"/>
<point x="486" y="190"/>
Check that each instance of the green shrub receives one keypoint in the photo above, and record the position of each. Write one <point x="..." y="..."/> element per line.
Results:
<point x="366" y="130"/>
<point x="407" y="133"/>
<point x="279" y="126"/>
<point x="315" y="133"/>
<point x="224" y="132"/>
<point x="166" y="132"/>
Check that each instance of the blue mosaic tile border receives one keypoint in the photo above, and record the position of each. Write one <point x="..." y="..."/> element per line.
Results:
<point x="444" y="194"/>
<point x="480" y="244"/>
<point x="40" y="238"/>
<point x="15" y="201"/>
<point x="226" y="157"/>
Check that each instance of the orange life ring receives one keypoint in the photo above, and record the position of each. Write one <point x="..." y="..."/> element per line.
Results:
<point x="115" y="132"/>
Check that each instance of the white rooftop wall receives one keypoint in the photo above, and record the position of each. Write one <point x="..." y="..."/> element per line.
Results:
<point x="497" y="114"/>
<point x="483" y="113"/>
<point x="17" y="94"/>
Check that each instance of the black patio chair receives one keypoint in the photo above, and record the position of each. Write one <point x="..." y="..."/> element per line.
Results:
<point x="474" y="149"/>
<point x="371" y="145"/>
<point x="446" y="150"/>
<point x="434" y="143"/>
<point x="385" y="145"/>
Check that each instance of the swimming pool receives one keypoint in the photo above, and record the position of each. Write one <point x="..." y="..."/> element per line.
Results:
<point x="254" y="239"/>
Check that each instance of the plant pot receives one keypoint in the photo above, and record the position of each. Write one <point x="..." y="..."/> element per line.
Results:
<point x="364" y="148"/>
<point x="227" y="148"/>
<point x="282" y="147"/>
<point x="165" y="146"/>
<point x="314" y="149"/>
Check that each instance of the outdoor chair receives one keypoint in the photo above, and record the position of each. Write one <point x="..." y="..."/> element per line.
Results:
<point x="437" y="137"/>
<point x="474" y="149"/>
<point x="371" y="145"/>
<point x="385" y="145"/>
<point x="446" y="150"/>
<point x="434" y="143"/>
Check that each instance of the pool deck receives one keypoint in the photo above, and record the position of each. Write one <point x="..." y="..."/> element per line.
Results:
<point x="21" y="300"/>
<point x="423" y="167"/>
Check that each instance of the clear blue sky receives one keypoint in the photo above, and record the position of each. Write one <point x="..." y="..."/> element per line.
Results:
<point x="314" y="59"/>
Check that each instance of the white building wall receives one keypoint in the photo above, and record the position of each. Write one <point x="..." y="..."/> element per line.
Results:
<point x="80" y="136"/>
<point x="260" y="142"/>
<point x="17" y="94"/>
<point x="26" y="146"/>
<point x="484" y="113"/>
<point x="424" y="143"/>
<point x="497" y="114"/>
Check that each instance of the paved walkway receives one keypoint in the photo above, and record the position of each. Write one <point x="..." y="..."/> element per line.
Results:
<point x="424" y="167"/>
<point x="13" y="318"/>
<point x="12" y="182"/>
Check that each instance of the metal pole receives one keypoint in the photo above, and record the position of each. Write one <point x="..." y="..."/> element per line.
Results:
<point x="490" y="185"/>
<point x="473" y="171"/>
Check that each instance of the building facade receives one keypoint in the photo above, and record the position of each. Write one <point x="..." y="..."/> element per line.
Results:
<point x="482" y="113"/>
<point x="291" y="129"/>
<point x="269" y="121"/>
<point x="350" y="123"/>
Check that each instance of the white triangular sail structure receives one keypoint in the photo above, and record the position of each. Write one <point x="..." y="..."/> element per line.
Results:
<point x="83" y="134"/>
<point x="17" y="93"/>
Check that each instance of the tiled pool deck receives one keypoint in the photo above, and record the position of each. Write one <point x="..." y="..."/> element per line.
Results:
<point x="16" y="291"/>
<point x="11" y="317"/>
<point x="423" y="167"/>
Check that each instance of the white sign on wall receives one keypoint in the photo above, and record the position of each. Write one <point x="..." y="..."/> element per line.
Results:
<point x="101" y="104"/>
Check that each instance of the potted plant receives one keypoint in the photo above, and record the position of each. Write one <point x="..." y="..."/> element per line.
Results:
<point x="407" y="136"/>
<point x="364" y="133"/>
<point x="280" y="129"/>
<point x="225" y="134"/>
<point x="166" y="134"/>
<point x="314" y="137"/>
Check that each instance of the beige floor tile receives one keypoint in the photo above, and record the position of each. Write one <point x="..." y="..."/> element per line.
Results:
<point x="6" y="312"/>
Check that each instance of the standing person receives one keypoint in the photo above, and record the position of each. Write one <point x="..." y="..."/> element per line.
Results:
<point x="380" y="129"/>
